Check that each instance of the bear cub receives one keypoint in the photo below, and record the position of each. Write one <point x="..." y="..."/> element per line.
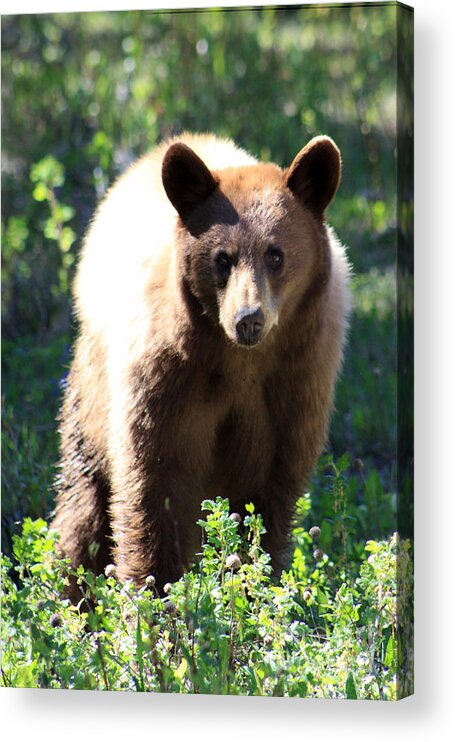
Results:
<point x="212" y="301"/>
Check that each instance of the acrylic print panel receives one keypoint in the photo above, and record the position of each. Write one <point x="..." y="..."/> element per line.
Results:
<point x="184" y="510"/>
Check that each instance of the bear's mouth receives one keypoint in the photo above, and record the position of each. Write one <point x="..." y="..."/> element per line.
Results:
<point x="250" y="342"/>
<point x="253" y="340"/>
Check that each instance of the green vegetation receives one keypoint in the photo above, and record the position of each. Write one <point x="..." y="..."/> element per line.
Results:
<point x="223" y="628"/>
<point x="83" y="95"/>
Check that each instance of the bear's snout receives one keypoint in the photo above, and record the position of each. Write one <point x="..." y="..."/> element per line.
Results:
<point x="249" y="325"/>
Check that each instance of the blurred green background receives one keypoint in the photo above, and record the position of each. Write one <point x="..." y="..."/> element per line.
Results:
<point x="84" y="94"/>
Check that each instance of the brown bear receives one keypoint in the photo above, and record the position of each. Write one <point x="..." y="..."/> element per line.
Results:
<point x="212" y="300"/>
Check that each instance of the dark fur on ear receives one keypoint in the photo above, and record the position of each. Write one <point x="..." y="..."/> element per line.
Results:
<point x="186" y="179"/>
<point x="315" y="174"/>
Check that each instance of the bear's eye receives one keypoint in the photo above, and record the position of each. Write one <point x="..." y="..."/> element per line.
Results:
<point x="274" y="258"/>
<point x="223" y="262"/>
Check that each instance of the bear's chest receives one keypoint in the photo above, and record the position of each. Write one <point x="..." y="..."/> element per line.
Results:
<point x="243" y="434"/>
<point x="225" y="429"/>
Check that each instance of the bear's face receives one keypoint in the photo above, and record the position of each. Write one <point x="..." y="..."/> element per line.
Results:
<point x="251" y="236"/>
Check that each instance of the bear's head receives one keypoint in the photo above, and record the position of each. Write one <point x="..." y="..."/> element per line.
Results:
<point x="253" y="238"/>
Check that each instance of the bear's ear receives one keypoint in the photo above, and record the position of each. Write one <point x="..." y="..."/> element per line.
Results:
<point x="186" y="179"/>
<point x="315" y="174"/>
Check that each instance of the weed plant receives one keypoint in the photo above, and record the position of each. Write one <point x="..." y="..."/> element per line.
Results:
<point x="226" y="627"/>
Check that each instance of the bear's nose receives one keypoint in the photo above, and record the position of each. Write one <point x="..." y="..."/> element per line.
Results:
<point x="249" y="325"/>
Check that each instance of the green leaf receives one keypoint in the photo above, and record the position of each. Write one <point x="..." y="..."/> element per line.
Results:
<point x="372" y="546"/>
<point x="26" y="675"/>
<point x="391" y="651"/>
<point x="66" y="239"/>
<point x="350" y="689"/>
<point x="181" y="670"/>
<point x="16" y="233"/>
<point x="343" y="463"/>
<point x="40" y="192"/>
<point x="48" y="171"/>
<point x="139" y="652"/>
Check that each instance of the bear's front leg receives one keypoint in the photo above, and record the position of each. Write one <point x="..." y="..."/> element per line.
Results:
<point x="153" y="520"/>
<point x="298" y="447"/>
<point x="276" y="505"/>
<point x="156" y="468"/>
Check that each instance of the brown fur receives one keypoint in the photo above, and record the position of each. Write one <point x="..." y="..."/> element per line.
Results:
<point x="165" y="406"/>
